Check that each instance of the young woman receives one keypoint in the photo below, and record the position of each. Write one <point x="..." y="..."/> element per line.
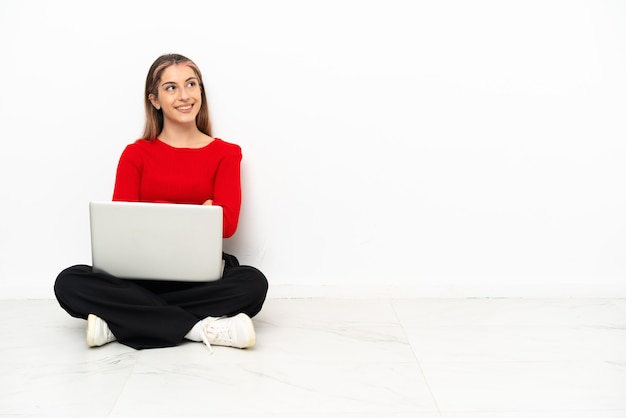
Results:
<point x="176" y="161"/>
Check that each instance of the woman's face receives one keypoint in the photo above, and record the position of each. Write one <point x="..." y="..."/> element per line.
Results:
<point x="179" y="95"/>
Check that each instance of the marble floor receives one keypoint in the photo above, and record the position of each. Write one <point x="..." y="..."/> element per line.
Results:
<point x="344" y="358"/>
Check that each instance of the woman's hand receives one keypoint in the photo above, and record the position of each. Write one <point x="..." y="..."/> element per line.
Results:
<point x="208" y="202"/>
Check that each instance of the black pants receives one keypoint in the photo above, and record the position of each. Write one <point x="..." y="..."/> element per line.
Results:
<point x="150" y="314"/>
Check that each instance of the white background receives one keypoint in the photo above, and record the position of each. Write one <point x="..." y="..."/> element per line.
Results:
<point x="434" y="148"/>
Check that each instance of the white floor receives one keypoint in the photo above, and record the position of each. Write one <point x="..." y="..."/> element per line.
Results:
<point x="431" y="358"/>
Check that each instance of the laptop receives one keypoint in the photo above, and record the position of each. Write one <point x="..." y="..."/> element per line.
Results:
<point x="156" y="241"/>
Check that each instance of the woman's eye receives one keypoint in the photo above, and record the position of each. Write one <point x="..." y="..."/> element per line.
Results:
<point x="191" y="84"/>
<point x="170" y="88"/>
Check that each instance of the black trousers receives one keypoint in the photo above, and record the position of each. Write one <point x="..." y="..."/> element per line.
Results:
<point x="151" y="314"/>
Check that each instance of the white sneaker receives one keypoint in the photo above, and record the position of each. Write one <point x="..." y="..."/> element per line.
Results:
<point x="98" y="332"/>
<point x="236" y="331"/>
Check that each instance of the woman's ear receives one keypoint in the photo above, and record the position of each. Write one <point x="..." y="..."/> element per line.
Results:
<point x="154" y="101"/>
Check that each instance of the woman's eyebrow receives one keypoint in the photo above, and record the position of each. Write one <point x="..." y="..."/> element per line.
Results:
<point x="174" y="83"/>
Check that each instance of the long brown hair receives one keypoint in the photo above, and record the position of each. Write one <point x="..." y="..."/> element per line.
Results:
<point x="154" y="117"/>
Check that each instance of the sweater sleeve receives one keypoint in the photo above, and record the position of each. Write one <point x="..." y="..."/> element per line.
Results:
<point x="128" y="176"/>
<point x="227" y="192"/>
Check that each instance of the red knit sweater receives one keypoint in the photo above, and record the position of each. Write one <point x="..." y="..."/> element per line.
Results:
<point x="152" y="171"/>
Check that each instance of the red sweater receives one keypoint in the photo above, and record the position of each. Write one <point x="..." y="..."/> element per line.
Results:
<point x="152" y="171"/>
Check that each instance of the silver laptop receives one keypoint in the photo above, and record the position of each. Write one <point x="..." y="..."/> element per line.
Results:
<point x="156" y="241"/>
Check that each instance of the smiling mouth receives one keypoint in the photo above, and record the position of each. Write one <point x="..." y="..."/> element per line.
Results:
<point x="184" y="108"/>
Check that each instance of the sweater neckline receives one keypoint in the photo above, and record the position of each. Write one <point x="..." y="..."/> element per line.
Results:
<point x="186" y="148"/>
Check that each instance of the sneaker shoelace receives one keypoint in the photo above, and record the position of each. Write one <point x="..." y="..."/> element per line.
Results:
<point x="220" y="334"/>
